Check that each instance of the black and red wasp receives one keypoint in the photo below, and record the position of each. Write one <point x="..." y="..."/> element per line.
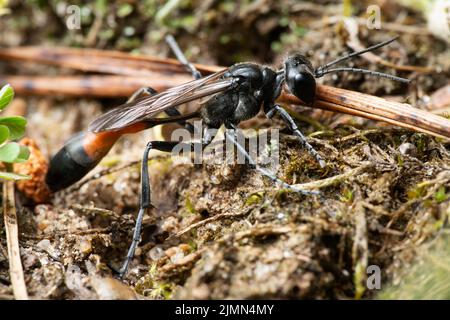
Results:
<point x="237" y="93"/>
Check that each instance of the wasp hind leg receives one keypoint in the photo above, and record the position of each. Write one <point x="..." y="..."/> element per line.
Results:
<point x="166" y="146"/>
<point x="145" y="198"/>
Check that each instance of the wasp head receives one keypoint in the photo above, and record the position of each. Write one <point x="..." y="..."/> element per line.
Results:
<point x="299" y="76"/>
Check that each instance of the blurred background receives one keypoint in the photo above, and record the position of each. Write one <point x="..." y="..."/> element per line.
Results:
<point x="218" y="31"/>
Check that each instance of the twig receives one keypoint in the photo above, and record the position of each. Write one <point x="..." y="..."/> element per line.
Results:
<point x="66" y="232"/>
<point x="114" y="169"/>
<point x="113" y="86"/>
<point x="327" y="98"/>
<point x="205" y="221"/>
<point x="102" y="173"/>
<point x="101" y="61"/>
<point x="375" y="108"/>
<point x="310" y="138"/>
<point x="318" y="184"/>
<point x="190" y="259"/>
<point x="256" y="232"/>
<point x="12" y="238"/>
<point x="376" y="209"/>
<point x="95" y="211"/>
<point x="361" y="134"/>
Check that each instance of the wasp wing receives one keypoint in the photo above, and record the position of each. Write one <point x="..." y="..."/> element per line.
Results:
<point x="147" y="107"/>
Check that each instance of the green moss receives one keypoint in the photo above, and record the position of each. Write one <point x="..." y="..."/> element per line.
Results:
<point x="441" y="195"/>
<point x="416" y="193"/>
<point x="189" y="206"/>
<point x="192" y="246"/>
<point x="152" y="287"/>
<point x="295" y="165"/>
<point x="346" y="196"/>
<point x="254" y="199"/>
<point x="400" y="160"/>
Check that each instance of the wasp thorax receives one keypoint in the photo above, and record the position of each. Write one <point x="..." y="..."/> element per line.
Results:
<point x="299" y="75"/>
<point x="249" y="73"/>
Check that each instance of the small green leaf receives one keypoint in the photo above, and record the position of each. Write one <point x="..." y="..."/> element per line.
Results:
<point x="9" y="152"/>
<point x="13" y="176"/>
<point x="6" y="95"/>
<point x="24" y="154"/>
<point x="16" y="125"/>
<point x="4" y="133"/>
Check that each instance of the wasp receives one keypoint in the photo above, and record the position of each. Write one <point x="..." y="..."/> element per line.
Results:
<point x="235" y="94"/>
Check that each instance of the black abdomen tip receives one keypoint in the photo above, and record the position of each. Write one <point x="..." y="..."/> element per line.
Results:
<point x="64" y="171"/>
<point x="70" y="164"/>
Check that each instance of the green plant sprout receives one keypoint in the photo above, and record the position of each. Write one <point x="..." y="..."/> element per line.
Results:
<point x="11" y="128"/>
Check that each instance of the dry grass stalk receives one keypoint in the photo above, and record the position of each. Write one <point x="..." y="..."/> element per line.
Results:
<point x="12" y="238"/>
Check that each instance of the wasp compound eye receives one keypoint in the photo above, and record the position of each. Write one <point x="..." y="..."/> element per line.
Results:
<point x="300" y="78"/>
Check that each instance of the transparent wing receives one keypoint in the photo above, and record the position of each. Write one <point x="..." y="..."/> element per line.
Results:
<point x="147" y="107"/>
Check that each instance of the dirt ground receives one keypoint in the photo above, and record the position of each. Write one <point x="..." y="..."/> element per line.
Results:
<point x="223" y="231"/>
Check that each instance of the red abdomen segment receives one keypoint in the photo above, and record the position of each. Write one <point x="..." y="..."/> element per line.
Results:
<point x="81" y="154"/>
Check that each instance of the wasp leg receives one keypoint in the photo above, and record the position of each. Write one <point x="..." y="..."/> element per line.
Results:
<point x="144" y="204"/>
<point x="293" y="127"/>
<point x="145" y="198"/>
<point x="181" y="57"/>
<point x="171" y="112"/>
<point x="143" y="90"/>
<point x="264" y="172"/>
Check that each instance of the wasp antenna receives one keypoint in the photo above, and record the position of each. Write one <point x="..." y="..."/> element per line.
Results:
<point x="369" y="72"/>
<point x="320" y="71"/>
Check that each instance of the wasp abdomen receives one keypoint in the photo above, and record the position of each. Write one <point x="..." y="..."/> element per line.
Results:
<point x="78" y="156"/>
